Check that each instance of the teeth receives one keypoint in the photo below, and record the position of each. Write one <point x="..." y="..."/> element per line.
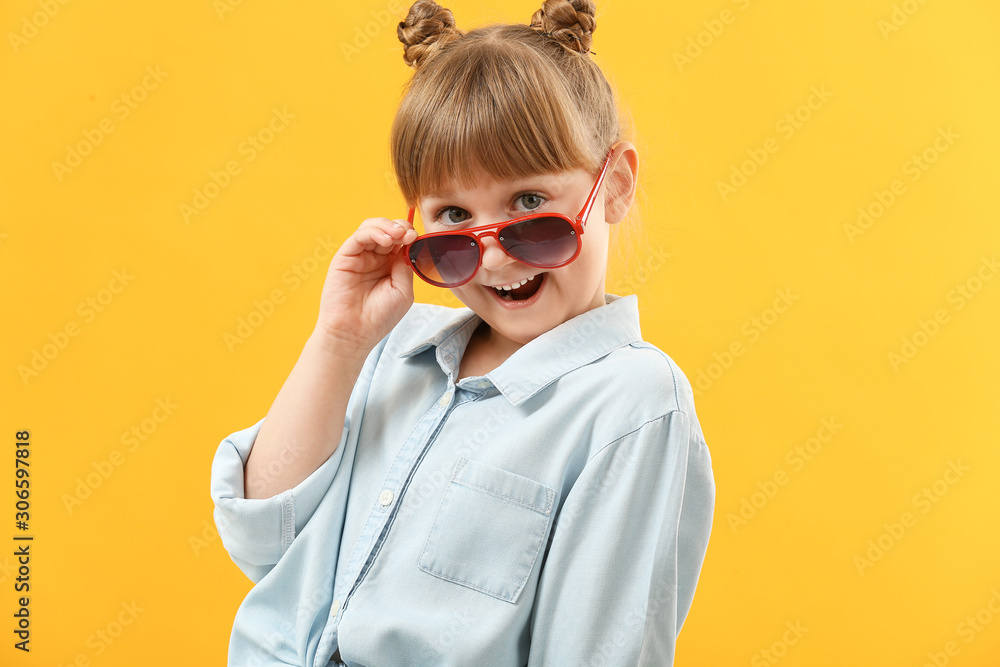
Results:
<point x="512" y="286"/>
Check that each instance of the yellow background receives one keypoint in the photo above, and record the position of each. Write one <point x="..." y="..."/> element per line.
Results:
<point x="895" y="76"/>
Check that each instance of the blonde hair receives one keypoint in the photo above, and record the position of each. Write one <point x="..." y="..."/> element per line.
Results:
<point x="507" y="100"/>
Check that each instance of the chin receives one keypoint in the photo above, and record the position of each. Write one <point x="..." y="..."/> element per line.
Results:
<point x="519" y="335"/>
<point x="518" y="329"/>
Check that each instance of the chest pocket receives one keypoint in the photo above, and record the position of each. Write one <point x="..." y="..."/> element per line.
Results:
<point x="488" y="530"/>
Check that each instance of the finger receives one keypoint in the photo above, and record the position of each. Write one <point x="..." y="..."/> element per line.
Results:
<point x="394" y="233"/>
<point x="397" y="230"/>
<point x="370" y="237"/>
<point x="391" y="227"/>
<point x="404" y="231"/>
<point x="379" y="236"/>
<point x="409" y="234"/>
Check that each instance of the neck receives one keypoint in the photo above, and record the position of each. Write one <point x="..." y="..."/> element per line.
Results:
<point x="494" y="345"/>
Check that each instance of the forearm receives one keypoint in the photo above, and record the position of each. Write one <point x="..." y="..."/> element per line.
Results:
<point x="306" y="420"/>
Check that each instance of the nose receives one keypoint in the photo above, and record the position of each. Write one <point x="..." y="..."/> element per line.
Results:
<point x="494" y="256"/>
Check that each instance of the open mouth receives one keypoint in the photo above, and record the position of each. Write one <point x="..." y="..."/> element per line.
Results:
<point x="522" y="292"/>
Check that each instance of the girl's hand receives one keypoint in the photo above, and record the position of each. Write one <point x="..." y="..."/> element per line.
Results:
<point x="368" y="288"/>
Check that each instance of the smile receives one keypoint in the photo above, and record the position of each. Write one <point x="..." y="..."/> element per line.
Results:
<point x="519" y="294"/>
<point x="513" y="285"/>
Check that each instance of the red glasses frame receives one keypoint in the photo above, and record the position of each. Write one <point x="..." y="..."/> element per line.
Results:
<point x="475" y="233"/>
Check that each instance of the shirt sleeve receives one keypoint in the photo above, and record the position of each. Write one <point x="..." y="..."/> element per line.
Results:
<point x="256" y="532"/>
<point x="626" y="551"/>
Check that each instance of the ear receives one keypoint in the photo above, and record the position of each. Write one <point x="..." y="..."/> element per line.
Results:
<point x="620" y="183"/>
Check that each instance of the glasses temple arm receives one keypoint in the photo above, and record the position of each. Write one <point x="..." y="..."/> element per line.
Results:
<point x="585" y="213"/>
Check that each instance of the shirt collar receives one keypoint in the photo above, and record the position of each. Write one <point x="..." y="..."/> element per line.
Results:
<point x="543" y="360"/>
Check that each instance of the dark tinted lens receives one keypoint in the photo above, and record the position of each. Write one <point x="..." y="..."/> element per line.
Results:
<point x="542" y="242"/>
<point x="446" y="260"/>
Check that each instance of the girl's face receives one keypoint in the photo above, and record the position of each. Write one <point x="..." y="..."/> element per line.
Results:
<point x="562" y="293"/>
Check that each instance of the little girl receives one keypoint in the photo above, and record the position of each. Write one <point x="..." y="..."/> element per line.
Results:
<point x="522" y="481"/>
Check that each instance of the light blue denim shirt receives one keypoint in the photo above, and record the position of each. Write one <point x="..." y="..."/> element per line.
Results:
<point x="555" y="511"/>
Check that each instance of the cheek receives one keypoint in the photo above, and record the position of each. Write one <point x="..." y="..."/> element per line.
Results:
<point x="593" y="256"/>
<point x="468" y="293"/>
<point x="595" y="247"/>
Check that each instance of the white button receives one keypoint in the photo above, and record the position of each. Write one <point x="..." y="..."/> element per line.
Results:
<point x="385" y="497"/>
<point x="445" y="399"/>
<point x="483" y="384"/>
<point x="336" y="608"/>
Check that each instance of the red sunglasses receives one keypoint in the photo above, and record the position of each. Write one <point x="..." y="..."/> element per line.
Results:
<point x="542" y="240"/>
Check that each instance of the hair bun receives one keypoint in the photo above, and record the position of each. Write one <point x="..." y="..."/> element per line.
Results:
<point x="569" y="22"/>
<point x="427" y="28"/>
